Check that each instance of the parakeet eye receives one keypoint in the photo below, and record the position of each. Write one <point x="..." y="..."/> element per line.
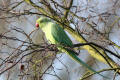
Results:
<point x="37" y="25"/>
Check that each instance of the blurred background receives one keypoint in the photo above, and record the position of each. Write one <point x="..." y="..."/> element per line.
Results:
<point x="23" y="53"/>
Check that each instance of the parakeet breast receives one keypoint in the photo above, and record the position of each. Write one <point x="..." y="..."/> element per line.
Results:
<point x="48" y="33"/>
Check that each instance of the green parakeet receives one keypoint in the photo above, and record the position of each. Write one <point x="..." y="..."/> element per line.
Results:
<point x="56" y="35"/>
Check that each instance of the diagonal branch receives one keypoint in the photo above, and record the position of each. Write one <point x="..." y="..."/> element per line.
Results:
<point x="91" y="43"/>
<point x="37" y="7"/>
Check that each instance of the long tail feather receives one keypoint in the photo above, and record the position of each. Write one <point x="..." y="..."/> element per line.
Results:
<point x="77" y="59"/>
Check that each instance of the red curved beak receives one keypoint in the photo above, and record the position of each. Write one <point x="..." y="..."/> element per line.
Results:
<point x="37" y="25"/>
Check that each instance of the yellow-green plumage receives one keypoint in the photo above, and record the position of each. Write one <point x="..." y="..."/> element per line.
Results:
<point x="56" y="35"/>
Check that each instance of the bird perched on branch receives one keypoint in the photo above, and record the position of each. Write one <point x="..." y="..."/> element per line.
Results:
<point x="56" y="35"/>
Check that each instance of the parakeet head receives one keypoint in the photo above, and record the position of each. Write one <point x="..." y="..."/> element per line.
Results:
<point x="42" y="21"/>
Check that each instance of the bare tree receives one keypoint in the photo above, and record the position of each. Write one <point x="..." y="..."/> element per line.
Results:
<point x="24" y="49"/>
